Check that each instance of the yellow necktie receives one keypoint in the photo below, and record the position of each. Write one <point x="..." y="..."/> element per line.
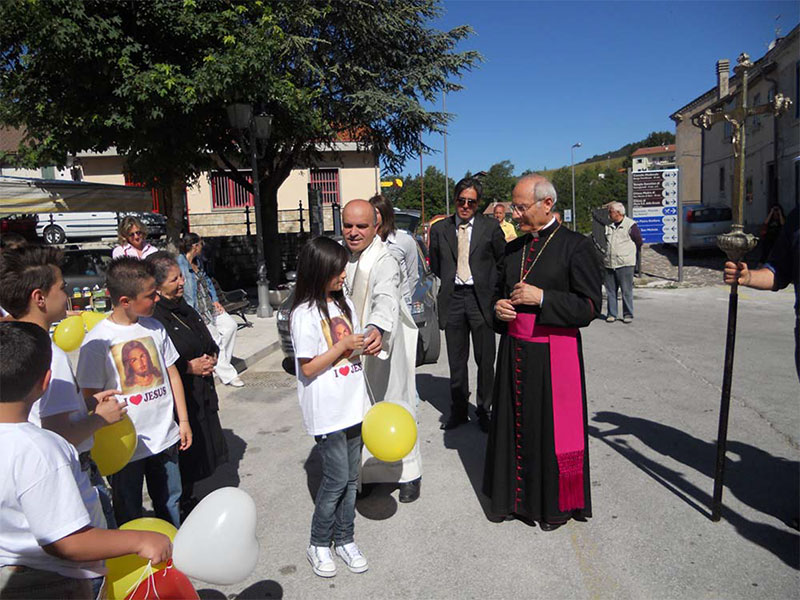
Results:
<point x="462" y="269"/>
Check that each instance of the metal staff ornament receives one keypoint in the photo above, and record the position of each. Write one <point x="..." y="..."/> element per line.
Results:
<point x="736" y="243"/>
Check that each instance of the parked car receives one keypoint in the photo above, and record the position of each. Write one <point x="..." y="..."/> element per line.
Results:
<point x="22" y="224"/>
<point x="424" y="310"/>
<point x="58" y="228"/>
<point x="407" y="219"/>
<point x="703" y="223"/>
<point x="156" y="223"/>
<point x="85" y="266"/>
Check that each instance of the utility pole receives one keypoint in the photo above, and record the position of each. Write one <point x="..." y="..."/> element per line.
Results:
<point x="421" y="181"/>
<point x="446" y="177"/>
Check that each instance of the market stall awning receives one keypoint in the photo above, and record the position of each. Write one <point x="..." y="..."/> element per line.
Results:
<point x="24" y="195"/>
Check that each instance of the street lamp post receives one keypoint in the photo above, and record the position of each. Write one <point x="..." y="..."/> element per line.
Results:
<point x="572" y="162"/>
<point x="258" y="127"/>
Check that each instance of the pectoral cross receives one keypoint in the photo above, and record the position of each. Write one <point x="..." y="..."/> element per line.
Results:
<point x="736" y="243"/>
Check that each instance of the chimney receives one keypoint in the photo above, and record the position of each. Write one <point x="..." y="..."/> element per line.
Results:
<point x="723" y="73"/>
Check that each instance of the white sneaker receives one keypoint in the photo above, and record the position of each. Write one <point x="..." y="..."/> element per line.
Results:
<point x="321" y="560"/>
<point x="236" y="382"/>
<point x="627" y="320"/>
<point x="352" y="557"/>
<point x="610" y="319"/>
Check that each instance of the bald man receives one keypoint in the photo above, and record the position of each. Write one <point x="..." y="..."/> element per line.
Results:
<point x="537" y="461"/>
<point x="374" y="283"/>
<point x="499" y="212"/>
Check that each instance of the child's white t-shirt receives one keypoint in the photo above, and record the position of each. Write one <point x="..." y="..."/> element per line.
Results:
<point x="134" y="359"/>
<point x="41" y="501"/>
<point x="62" y="396"/>
<point x="337" y="397"/>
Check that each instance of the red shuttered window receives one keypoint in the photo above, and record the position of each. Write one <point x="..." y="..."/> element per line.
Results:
<point x="327" y="181"/>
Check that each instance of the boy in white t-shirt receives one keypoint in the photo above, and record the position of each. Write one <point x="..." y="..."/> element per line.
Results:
<point x="32" y="287"/>
<point x="51" y="538"/>
<point x="131" y="352"/>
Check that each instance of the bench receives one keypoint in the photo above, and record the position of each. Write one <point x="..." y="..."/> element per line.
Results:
<point x="234" y="302"/>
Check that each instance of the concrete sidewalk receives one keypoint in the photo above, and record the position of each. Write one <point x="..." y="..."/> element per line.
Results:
<point x="256" y="342"/>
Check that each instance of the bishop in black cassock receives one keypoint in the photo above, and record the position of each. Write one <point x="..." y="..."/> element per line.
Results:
<point x="537" y="459"/>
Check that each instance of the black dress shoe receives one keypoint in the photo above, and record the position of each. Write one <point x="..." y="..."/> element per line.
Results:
<point x="409" y="491"/>
<point x="500" y="518"/>
<point x="453" y="422"/>
<point x="546" y="526"/>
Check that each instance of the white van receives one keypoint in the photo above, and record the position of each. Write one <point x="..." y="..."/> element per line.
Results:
<point x="58" y="228"/>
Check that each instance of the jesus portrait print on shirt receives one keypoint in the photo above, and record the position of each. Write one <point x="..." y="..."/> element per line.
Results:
<point x="138" y="365"/>
<point x="334" y="330"/>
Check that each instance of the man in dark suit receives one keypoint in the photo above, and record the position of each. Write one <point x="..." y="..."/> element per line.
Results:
<point x="465" y="250"/>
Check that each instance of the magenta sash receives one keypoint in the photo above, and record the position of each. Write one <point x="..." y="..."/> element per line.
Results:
<point x="565" y="374"/>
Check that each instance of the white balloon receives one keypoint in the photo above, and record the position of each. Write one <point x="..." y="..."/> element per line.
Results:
<point x="217" y="541"/>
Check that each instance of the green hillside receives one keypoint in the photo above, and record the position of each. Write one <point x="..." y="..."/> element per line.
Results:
<point x="619" y="158"/>
<point x="603" y="164"/>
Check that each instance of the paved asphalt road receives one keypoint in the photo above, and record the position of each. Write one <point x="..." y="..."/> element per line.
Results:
<point x="654" y="389"/>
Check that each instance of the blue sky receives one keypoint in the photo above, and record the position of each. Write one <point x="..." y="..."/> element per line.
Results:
<point x="600" y="73"/>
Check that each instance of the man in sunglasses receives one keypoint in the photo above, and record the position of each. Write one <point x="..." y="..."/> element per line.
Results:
<point x="465" y="250"/>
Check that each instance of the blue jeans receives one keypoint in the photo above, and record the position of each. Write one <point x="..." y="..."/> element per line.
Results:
<point x="335" y="510"/>
<point x="163" y="484"/>
<point x="621" y="277"/>
<point x="104" y="493"/>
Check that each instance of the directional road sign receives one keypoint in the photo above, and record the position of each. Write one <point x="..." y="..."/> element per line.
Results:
<point x="655" y="205"/>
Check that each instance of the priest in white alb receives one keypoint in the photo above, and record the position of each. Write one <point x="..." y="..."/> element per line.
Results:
<point x="374" y="285"/>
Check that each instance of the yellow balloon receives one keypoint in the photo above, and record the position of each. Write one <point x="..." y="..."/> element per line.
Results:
<point x="69" y="333"/>
<point x="114" y="445"/>
<point x="125" y="571"/>
<point x="91" y="318"/>
<point x="389" y="431"/>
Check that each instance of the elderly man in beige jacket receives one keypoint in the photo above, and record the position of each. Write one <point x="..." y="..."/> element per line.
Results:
<point x="623" y="240"/>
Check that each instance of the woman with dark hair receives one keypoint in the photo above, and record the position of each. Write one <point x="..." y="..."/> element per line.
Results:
<point x="400" y="244"/>
<point x="198" y="353"/>
<point x="200" y="294"/>
<point x="133" y="239"/>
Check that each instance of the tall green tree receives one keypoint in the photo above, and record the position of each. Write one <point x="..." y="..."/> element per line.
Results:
<point x="498" y="183"/>
<point x="410" y="196"/>
<point x="153" y="79"/>
<point x="594" y="187"/>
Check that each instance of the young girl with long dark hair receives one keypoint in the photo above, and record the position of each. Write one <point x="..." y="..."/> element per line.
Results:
<point x="333" y="398"/>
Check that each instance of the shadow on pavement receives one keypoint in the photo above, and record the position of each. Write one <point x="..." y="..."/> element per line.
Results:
<point x="436" y="392"/>
<point x="313" y="467"/>
<point x="378" y="506"/>
<point x="468" y="440"/>
<point x="266" y="588"/>
<point x="766" y="483"/>
<point x="226" y="475"/>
